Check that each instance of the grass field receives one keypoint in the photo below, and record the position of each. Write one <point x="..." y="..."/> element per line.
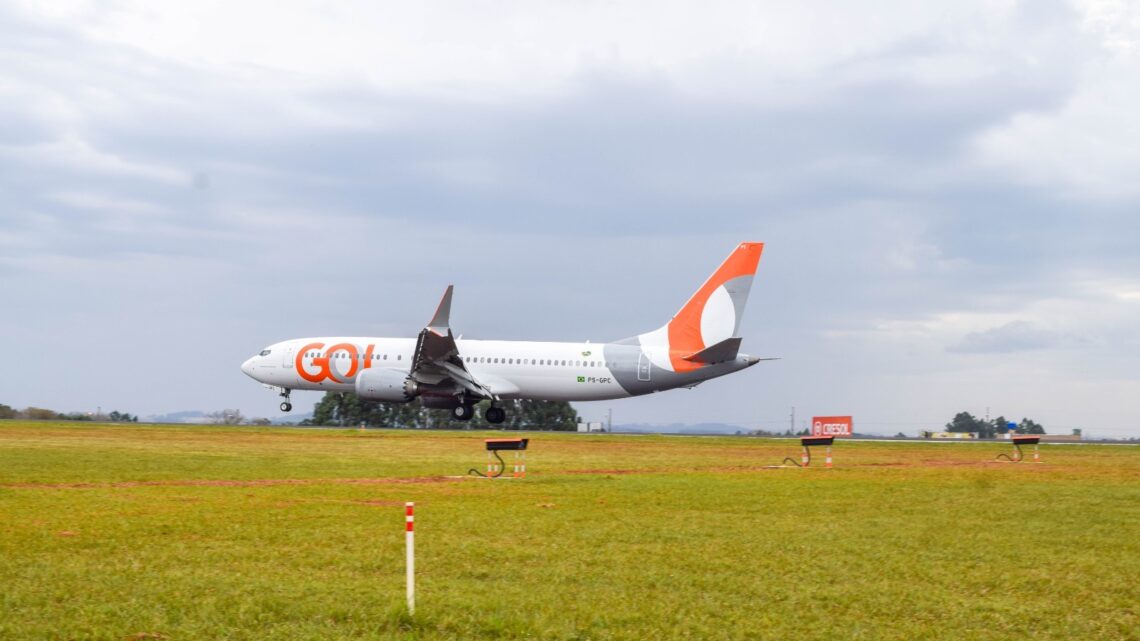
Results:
<point x="158" y="532"/>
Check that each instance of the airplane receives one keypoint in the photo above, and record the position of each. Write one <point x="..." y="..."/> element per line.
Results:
<point x="699" y="343"/>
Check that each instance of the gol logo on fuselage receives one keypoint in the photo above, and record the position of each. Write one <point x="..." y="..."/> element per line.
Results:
<point x="324" y="362"/>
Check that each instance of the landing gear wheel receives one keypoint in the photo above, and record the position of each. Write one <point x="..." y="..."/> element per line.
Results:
<point x="495" y="415"/>
<point x="462" y="412"/>
<point x="286" y="406"/>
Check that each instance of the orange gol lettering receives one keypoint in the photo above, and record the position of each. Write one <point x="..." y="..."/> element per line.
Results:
<point x="323" y="362"/>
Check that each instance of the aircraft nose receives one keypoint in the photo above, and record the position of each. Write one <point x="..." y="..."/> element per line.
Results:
<point x="247" y="367"/>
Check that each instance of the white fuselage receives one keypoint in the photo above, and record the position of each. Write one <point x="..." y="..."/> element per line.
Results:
<point x="700" y="342"/>
<point x="513" y="369"/>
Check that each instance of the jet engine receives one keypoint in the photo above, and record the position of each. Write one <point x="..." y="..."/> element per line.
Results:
<point x="386" y="384"/>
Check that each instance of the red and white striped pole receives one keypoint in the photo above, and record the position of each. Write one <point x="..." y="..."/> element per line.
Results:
<point x="410" y="538"/>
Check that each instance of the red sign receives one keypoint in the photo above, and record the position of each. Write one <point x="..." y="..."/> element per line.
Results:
<point x="831" y="426"/>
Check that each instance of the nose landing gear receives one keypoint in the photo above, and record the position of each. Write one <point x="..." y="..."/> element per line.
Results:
<point x="286" y="406"/>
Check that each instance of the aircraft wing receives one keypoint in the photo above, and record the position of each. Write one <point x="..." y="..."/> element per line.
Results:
<point x="436" y="360"/>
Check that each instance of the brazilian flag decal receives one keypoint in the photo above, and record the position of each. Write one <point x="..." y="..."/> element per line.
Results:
<point x="581" y="379"/>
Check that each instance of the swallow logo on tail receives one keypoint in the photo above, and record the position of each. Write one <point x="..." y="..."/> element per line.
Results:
<point x="706" y="329"/>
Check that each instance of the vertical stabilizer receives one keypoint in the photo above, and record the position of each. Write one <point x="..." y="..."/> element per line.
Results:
<point x="711" y="316"/>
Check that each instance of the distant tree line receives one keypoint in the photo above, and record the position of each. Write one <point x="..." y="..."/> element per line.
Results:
<point x="967" y="422"/>
<point x="230" y="417"/>
<point x="350" y="410"/>
<point x="42" y="414"/>
<point x="787" y="432"/>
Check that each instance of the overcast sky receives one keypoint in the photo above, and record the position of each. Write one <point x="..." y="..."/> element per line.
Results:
<point x="950" y="195"/>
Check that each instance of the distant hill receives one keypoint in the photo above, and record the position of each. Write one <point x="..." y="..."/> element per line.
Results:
<point x="680" y="428"/>
<point x="197" y="417"/>
<point x="291" y="418"/>
<point x="189" y="416"/>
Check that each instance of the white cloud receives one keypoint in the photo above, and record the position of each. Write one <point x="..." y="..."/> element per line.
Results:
<point x="1085" y="149"/>
<point x="1014" y="336"/>
<point x="519" y="48"/>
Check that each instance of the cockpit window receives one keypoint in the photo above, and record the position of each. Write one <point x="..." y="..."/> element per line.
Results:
<point x="265" y="352"/>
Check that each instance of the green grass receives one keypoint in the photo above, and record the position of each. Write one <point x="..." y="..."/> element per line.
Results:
<point x="116" y="532"/>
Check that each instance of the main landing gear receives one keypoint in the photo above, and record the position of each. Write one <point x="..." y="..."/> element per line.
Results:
<point x="466" y="411"/>
<point x="286" y="406"/>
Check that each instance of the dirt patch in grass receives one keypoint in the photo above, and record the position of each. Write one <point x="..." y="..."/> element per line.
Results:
<point x="233" y="483"/>
<point x="380" y="503"/>
<point x="609" y="471"/>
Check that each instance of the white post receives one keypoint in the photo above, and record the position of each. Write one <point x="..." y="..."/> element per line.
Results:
<point x="410" y="537"/>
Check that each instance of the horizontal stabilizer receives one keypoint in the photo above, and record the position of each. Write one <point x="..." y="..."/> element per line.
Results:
<point x="725" y="350"/>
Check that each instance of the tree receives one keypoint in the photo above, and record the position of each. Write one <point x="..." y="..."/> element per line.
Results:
<point x="74" y="416"/>
<point x="226" y="417"/>
<point x="542" y="415"/>
<point x="350" y="410"/>
<point x="1029" y="426"/>
<point x="967" y="422"/>
<point x="7" y="412"/>
<point x="963" y="422"/>
<point x="39" y="414"/>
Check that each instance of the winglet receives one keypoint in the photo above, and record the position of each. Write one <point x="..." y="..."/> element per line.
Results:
<point x="440" y="323"/>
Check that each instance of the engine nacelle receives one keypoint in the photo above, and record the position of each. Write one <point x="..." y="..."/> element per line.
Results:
<point x="385" y="384"/>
